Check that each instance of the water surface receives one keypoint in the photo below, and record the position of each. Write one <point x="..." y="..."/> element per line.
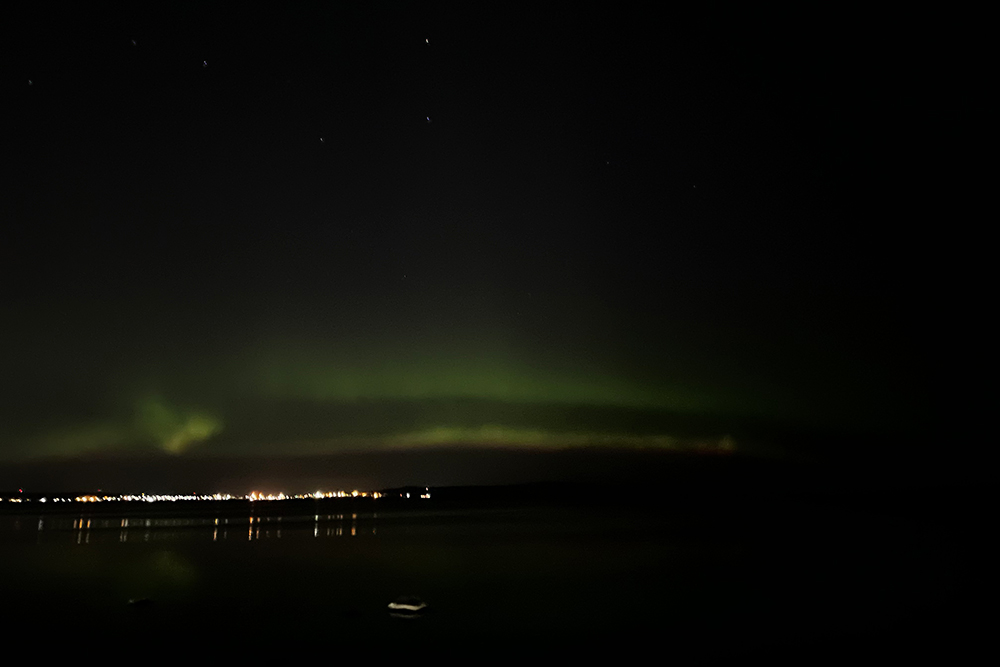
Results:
<point x="695" y="583"/>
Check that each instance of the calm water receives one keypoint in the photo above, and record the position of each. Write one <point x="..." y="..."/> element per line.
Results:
<point x="692" y="584"/>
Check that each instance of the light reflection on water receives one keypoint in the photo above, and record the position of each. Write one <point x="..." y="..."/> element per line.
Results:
<point x="82" y="528"/>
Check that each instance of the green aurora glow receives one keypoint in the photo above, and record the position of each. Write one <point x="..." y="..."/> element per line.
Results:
<point x="566" y="257"/>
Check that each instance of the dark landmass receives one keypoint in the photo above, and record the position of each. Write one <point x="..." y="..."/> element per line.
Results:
<point x="639" y="481"/>
<point x="846" y="461"/>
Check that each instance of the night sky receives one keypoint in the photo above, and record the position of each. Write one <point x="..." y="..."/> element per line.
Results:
<point x="350" y="227"/>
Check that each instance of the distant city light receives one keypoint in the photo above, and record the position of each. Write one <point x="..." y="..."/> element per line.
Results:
<point x="253" y="496"/>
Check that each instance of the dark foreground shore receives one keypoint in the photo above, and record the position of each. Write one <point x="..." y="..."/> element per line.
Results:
<point x="698" y="570"/>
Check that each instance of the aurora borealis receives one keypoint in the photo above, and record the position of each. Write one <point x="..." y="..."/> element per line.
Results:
<point x="237" y="234"/>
